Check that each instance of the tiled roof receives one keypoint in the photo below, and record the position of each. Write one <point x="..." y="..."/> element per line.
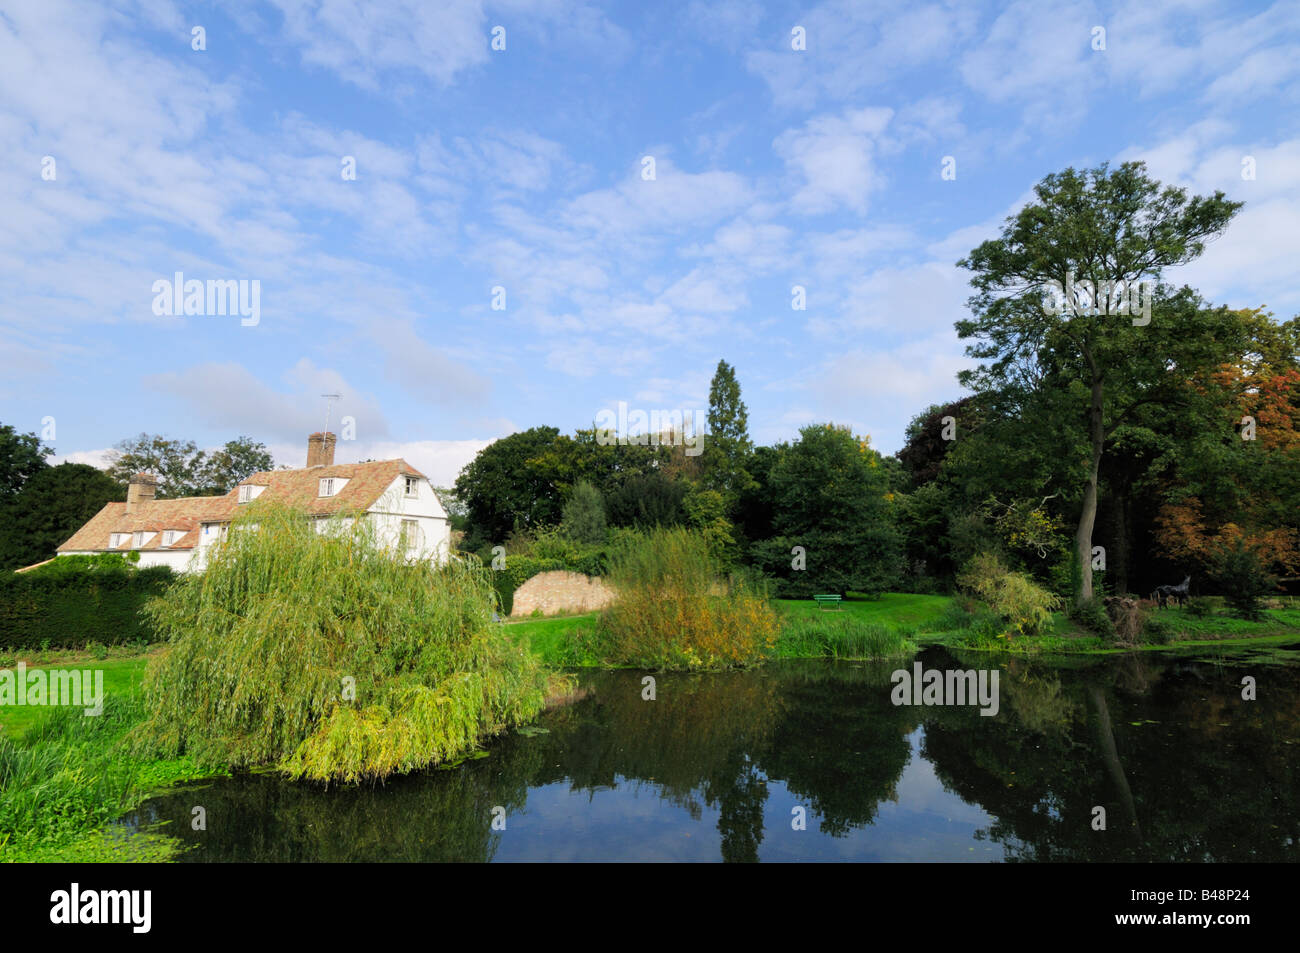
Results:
<point x="297" y="488"/>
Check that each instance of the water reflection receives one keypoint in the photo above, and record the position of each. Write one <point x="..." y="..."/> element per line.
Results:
<point x="718" y="765"/>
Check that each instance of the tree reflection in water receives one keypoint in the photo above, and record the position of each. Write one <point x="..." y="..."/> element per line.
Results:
<point x="1183" y="767"/>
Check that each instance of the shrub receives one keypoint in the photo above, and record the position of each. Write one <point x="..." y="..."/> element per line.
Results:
<point x="329" y="656"/>
<point x="675" y="610"/>
<point x="1091" y="615"/>
<point x="1022" y="604"/>
<point x="1239" y="569"/>
<point x="1157" y="630"/>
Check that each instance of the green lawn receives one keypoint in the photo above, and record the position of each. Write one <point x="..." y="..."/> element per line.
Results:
<point x="894" y="609"/>
<point x="122" y="676"/>
<point x="552" y="639"/>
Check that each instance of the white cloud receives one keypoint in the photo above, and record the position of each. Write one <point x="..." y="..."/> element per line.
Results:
<point x="831" y="157"/>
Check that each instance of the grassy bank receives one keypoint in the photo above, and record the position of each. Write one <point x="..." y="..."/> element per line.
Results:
<point x="859" y="628"/>
<point x="808" y="631"/>
<point x="65" y="777"/>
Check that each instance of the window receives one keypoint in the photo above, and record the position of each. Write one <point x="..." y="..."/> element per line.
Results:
<point x="116" y="539"/>
<point x="245" y="494"/>
<point x="327" y="486"/>
<point x="170" y="536"/>
<point x="410" y="535"/>
<point x="412" y="487"/>
<point x="138" y="540"/>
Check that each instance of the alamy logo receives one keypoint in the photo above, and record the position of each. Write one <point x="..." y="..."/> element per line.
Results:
<point x="216" y="296"/>
<point x="102" y="906"/>
<point x="1102" y="297"/>
<point x="653" y="428"/>
<point x="71" y="687"/>
<point x="949" y="687"/>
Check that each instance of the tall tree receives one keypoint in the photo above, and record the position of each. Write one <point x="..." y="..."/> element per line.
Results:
<point x="1083" y="232"/>
<point x="178" y="464"/>
<point x="22" y="455"/>
<point x="503" y="487"/>
<point x="727" y="447"/>
<point x="833" y="504"/>
<point x="237" y="460"/>
<point x="52" y="505"/>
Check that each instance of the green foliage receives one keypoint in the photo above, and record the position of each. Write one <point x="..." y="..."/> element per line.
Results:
<point x="1241" y="572"/>
<point x="727" y="447"/>
<point x="832" y="500"/>
<point x="239" y="459"/>
<point x="1085" y="229"/>
<point x="647" y="500"/>
<point x="841" y="636"/>
<point x="1026" y="607"/>
<point x="185" y="470"/>
<point x="71" y="775"/>
<point x="1157" y="630"/>
<point x="330" y="657"/>
<point x="706" y="512"/>
<point x="584" y="515"/>
<point x="22" y="456"/>
<point x="52" y="505"/>
<point x="504" y="487"/>
<point x="1091" y="615"/>
<point x="675" y="610"/>
<point x="90" y="599"/>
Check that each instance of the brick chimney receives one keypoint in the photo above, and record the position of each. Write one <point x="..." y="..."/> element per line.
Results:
<point x="141" y="489"/>
<point x="320" y="450"/>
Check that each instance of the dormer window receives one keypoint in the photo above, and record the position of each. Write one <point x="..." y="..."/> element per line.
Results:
<point x="245" y="494"/>
<point x="170" y="536"/>
<point x="137" y="539"/>
<point x="327" y="486"/>
<point x="116" y="539"/>
<point x="412" y="487"/>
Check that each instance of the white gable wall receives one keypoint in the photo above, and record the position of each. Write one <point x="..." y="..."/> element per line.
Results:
<point x="394" y="506"/>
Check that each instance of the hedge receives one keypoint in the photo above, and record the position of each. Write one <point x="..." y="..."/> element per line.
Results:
<point x="519" y="569"/>
<point x="70" y="610"/>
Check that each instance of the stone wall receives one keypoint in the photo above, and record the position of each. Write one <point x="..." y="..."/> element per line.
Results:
<point x="558" y="591"/>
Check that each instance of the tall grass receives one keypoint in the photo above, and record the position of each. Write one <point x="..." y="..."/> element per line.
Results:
<point x="328" y="655"/>
<point x="842" y="637"/>
<point x="68" y="777"/>
<point x="675" y="609"/>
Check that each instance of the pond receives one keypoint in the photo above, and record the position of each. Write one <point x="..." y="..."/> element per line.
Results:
<point x="724" y="767"/>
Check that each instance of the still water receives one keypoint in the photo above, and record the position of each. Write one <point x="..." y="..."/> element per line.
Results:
<point x="723" y="767"/>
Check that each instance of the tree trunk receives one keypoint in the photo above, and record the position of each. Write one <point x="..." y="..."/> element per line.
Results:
<point x="1088" y="516"/>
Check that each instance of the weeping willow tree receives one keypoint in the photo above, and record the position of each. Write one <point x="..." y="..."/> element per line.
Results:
<point x="328" y="655"/>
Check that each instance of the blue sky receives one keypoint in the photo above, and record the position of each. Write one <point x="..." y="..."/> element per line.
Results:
<point x="522" y="169"/>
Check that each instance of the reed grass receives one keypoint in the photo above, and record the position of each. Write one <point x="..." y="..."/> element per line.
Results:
<point x="842" y="637"/>
<point x="676" y="609"/>
<point x="330" y="656"/>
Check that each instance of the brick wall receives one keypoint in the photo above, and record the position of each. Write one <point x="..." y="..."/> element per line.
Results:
<point x="559" y="591"/>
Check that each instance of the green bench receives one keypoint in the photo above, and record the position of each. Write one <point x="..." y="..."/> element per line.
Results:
<point x="827" y="600"/>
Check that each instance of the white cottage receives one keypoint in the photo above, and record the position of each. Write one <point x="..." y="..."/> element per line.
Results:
<point x="178" y="533"/>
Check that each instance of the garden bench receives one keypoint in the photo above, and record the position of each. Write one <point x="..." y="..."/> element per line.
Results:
<point x="828" y="599"/>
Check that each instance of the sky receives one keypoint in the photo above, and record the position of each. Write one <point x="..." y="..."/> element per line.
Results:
<point x="471" y="218"/>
